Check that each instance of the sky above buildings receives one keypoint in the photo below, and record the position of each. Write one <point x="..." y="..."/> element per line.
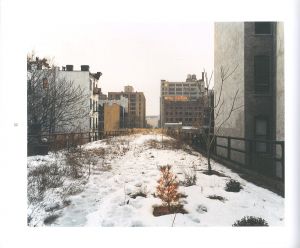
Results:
<point x="131" y="53"/>
<point x="138" y="52"/>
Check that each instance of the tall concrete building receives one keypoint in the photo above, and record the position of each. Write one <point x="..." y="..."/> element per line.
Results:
<point x="256" y="50"/>
<point x="136" y="117"/>
<point x="182" y="101"/>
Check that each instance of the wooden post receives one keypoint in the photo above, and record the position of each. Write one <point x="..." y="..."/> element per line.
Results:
<point x="282" y="159"/>
<point x="228" y="148"/>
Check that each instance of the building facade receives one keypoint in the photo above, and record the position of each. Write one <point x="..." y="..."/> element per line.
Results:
<point x="256" y="50"/>
<point x="50" y="80"/>
<point x="136" y="106"/>
<point x="89" y="83"/>
<point x="113" y="114"/>
<point x="182" y="101"/>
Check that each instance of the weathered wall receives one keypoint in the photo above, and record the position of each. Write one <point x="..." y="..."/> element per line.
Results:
<point x="111" y="117"/>
<point x="279" y="92"/>
<point x="258" y="104"/>
<point x="79" y="78"/>
<point x="280" y="82"/>
<point x="229" y="53"/>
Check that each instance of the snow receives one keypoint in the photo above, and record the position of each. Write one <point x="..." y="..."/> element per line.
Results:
<point x="105" y="198"/>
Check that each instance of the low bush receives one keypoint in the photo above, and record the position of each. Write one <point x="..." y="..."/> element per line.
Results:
<point x="217" y="197"/>
<point x="165" y="144"/>
<point x="201" y="209"/>
<point x="142" y="192"/>
<point x="190" y="178"/>
<point x="251" y="221"/>
<point x="50" y="219"/>
<point x="41" y="179"/>
<point x="165" y="210"/>
<point x="75" y="162"/>
<point x="233" y="186"/>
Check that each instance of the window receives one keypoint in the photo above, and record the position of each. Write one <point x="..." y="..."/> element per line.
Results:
<point x="261" y="133"/>
<point x="91" y="103"/>
<point x="261" y="73"/>
<point x="91" y="84"/>
<point x="262" y="27"/>
<point x="91" y="121"/>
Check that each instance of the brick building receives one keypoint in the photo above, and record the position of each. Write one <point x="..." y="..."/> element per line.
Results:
<point x="136" y="117"/>
<point x="183" y="102"/>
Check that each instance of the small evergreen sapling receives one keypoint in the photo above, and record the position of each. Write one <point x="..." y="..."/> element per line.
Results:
<point x="167" y="189"/>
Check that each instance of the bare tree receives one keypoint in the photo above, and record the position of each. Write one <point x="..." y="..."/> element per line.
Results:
<point x="53" y="102"/>
<point x="214" y="109"/>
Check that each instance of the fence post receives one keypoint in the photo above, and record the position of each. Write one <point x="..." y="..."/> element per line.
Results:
<point x="228" y="148"/>
<point x="282" y="159"/>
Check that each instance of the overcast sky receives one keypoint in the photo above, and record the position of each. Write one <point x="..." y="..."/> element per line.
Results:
<point x="137" y="47"/>
<point x="137" y="53"/>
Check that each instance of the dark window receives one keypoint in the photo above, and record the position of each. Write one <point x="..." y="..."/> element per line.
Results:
<point x="261" y="133"/>
<point x="262" y="73"/>
<point x="91" y="104"/>
<point x="263" y="28"/>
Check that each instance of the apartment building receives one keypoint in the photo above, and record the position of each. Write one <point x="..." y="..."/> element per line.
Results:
<point x="136" y="117"/>
<point x="85" y="80"/>
<point x="182" y="101"/>
<point x="89" y="82"/>
<point x="256" y="49"/>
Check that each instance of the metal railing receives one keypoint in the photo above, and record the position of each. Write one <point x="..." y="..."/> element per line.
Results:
<point x="265" y="157"/>
<point x="57" y="141"/>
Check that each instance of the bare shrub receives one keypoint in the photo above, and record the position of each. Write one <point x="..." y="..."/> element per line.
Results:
<point x="50" y="219"/>
<point x="190" y="177"/>
<point x="73" y="189"/>
<point x="98" y="152"/>
<point x="165" y="144"/>
<point x="201" y="209"/>
<point x="105" y="167"/>
<point x="154" y="144"/>
<point x="75" y="164"/>
<point x="142" y="192"/>
<point x="41" y="179"/>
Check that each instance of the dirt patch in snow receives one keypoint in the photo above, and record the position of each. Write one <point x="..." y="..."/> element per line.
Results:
<point x="164" y="210"/>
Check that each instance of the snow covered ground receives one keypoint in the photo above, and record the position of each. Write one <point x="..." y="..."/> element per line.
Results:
<point x="130" y="165"/>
